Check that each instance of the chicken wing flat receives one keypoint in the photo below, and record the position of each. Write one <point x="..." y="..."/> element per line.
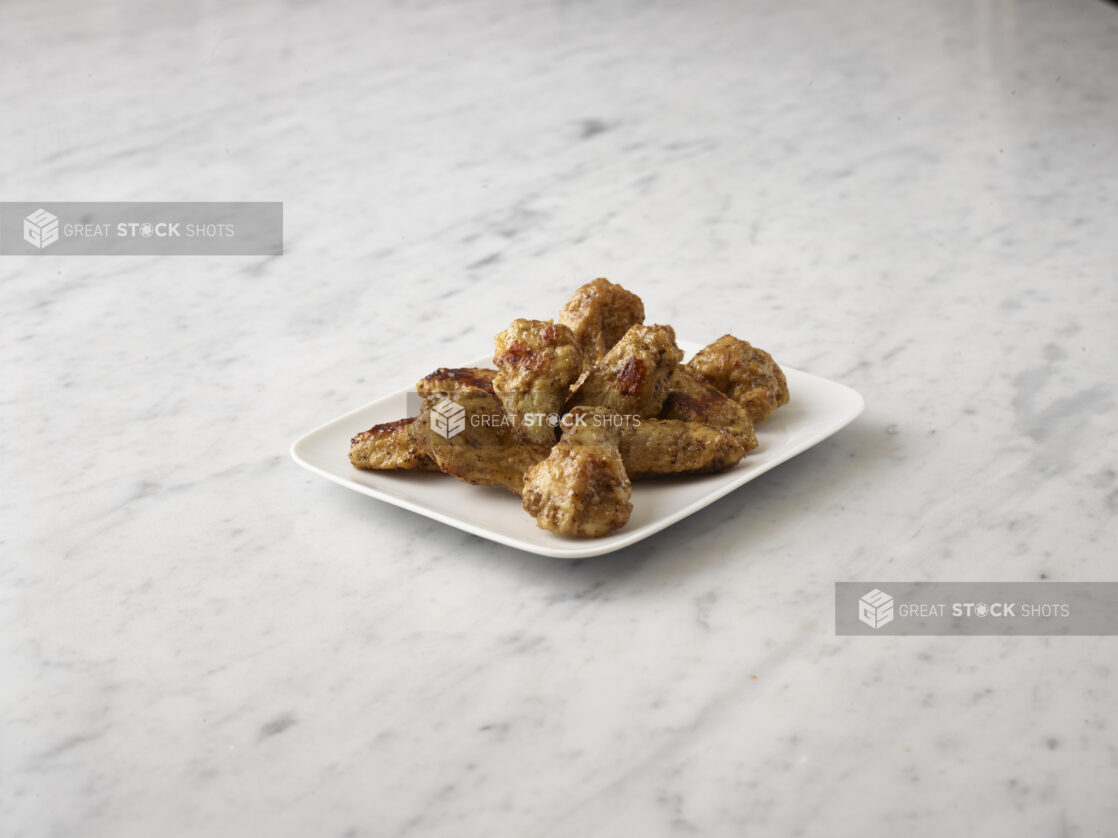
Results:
<point x="537" y="360"/>
<point x="581" y="489"/>
<point x="469" y="436"/>
<point x="746" y="374"/>
<point x="391" y="445"/>
<point x="449" y="379"/>
<point x="669" y="446"/>
<point x="632" y="378"/>
<point x="599" y="314"/>
<point x="394" y="445"/>
<point x="690" y="399"/>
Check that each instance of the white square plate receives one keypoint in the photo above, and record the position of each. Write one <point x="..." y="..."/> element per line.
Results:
<point x="817" y="409"/>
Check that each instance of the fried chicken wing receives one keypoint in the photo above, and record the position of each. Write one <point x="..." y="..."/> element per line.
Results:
<point x="690" y="399"/>
<point x="669" y="446"/>
<point x="537" y="360"/>
<point x="632" y="378"/>
<point x="391" y="445"/>
<point x="581" y="489"/>
<point x="599" y="314"/>
<point x="746" y="374"/>
<point x="468" y="435"/>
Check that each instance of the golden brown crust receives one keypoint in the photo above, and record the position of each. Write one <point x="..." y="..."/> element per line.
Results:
<point x="743" y="372"/>
<point x="581" y="489"/>
<point x="391" y="445"/>
<point x="449" y="379"/>
<point x="632" y="378"/>
<point x="536" y="361"/>
<point x="668" y="446"/>
<point x="691" y="399"/>
<point x="599" y="314"/>
<point x="484" y="450"/>
<point x="592" y="425"/>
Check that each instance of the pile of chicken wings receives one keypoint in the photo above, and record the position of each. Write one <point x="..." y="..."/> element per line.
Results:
<point x="578" y="407"/>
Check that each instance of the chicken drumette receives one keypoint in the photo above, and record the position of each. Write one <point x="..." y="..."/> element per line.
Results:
<point x="599" y="314"/>
<point x="581" y="488"/>
<point x="746" y="374"/>
<point x="632" y="378"/>
<point x="537" y="361"/>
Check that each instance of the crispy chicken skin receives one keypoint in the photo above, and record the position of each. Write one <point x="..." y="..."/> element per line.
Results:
<point x="690" y="399"/>
<point x="485" y="451"/>
<point x="537" y="360"/>
<point x="581" y="489"/>
<point x="449" y="379"/>
<point x="395" y="445"/>
<point x="599" y="314"/>
<point x="669" y="446"/>
<point x="746" y="374"/>
<point x="632" y="378"/>
<point x="390" y="446"/>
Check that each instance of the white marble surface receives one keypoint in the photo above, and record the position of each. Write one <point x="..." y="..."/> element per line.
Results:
<point x="199" y="638"/>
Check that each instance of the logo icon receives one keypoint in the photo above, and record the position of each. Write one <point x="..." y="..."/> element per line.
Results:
<point x="875" y="609"/>
<point x="40" y="228"/>
<point x="448" y="419"/>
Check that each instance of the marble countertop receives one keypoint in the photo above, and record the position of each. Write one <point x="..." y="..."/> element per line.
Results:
<point x="199" y="638"/>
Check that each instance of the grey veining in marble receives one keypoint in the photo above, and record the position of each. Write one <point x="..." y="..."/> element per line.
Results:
<point x="198" y="638"/>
